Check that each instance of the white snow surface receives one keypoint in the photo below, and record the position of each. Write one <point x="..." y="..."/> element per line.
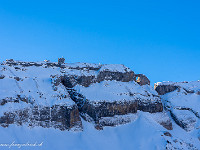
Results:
<point x="117" y="91"/>
<point x="34" y="84"/>
<point x="115" y="68"/>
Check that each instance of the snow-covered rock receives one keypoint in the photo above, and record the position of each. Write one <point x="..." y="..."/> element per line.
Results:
<point x="28" y="96"/>
<point x="98" y="90"/>
<point x="183" y="102"/>
<point x="46" y="102"/>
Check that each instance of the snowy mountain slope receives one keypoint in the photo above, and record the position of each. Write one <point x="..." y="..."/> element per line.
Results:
<point x="117" y="91"/>
<point x="92" y="106"/>
<point x="185" y="94"/>
<point x="142" y="134"/>
<point x="40" y="87"/>
<point x="28" y="97"/>
<point x="183" y="104"/>
<point x="34" y="82"/>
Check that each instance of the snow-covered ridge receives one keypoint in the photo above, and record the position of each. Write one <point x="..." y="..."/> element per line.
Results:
<point x="33" y="83"/>
<point x="76" y="66"/>
<point x="45" y="85"/>
<point x="166" y="87"/>
<point x="65" y="95"/>
<point x="182" y="101"/>
<point x="195" y="85"/>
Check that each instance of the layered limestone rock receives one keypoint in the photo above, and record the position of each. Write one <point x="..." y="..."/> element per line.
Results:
<point x="165" y="88"/>
<point x="181" y="99"/>
<point x="97" y="91"/>
<point x="28" y="97"/>
<point x="111" y="98"/>
<point x="105" y="72"/>
<point x="61" y="117"/>
<point x="124" y="95"/>
<point x="184" y="118"/>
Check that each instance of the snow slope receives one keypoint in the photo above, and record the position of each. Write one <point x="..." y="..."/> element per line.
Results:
<point x="34" y="83"/>
<point x="117" y="91"/>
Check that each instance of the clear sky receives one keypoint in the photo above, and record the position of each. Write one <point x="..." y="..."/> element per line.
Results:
<point x="160" y="39"/>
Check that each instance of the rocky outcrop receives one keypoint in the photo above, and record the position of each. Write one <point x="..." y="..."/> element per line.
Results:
<point x="106" y="75"/>
<point x="163" y="89"/>
<point x="72" y="80"/>
<point x="16" y="99"/>
<point x="95" y="111"/>
<point x="2" y="76"/>
<point x="118" y="76"/>
<point x="182" y="103"/>
<point x="107" y="109"/>
<point x="151" y="107"/>
<point x="184" y="118"/>
<point x="163" y="119"/>
<point x="167" y="124"/>
<point x="141" y="79"/>
<point x="61" y="117"/>
<point x="48" y="92"/>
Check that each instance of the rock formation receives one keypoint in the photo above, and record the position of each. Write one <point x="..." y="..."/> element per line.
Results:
<point x="66" y="96"/>
<point x="52" y="93"/>
<point x="180" y="99"/>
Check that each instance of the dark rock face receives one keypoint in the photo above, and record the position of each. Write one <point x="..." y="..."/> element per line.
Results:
<point x="82" y="80"/>
<point x="17" y="78"/>
<point x="150" y="107"/>
<point x="167" y="124"/>
<point x="163" y="89"/>
<point x="141" y="79"/>
<point x="107" y="109"/>
<point x="61" y="61"/>
<point x="60" y="117"/>
<point x="2" y="76"/>
<point x="71" y="81"/>
<point x="167" y="134"/>
<point x="184" y="120"/>
<point x="96" y="110"/>
<point x="189" y="91"/>
<point x="118" y="76"/>
<point x="16" y="99"/>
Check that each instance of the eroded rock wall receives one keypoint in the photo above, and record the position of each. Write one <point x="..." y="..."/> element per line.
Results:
<point x="60" y="117"/>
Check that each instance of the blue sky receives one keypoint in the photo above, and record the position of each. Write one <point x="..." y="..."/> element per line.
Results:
<point x="160" y="39"/>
